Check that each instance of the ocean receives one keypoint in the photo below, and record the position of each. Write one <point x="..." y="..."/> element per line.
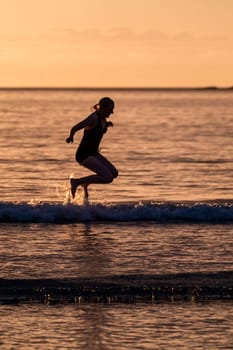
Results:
<point x="147" y="262"/>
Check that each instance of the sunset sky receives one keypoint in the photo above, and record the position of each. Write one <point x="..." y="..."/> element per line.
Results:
<point x="116" y="43"/>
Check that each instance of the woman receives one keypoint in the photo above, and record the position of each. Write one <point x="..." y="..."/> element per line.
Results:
<point x="87" y="155"/>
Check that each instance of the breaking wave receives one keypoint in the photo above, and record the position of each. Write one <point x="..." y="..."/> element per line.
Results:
<point x="53" y="212"/>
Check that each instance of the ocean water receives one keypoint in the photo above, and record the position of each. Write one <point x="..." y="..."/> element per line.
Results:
<point x="167" y="217"/>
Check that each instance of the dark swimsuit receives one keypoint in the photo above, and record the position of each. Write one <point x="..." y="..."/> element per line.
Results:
<point x="89" y="144"/>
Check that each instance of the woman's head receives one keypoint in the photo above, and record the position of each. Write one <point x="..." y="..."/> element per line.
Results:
<point x="106" y="102"/>
<point x="105" y="106"/>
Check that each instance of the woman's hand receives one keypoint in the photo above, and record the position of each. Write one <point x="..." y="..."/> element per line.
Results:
<point x="109" y="124"/>
<point x="70" y="139"/>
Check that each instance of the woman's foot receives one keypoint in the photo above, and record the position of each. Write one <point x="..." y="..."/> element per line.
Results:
<point x="86" y="194"/>
<point x="74" y="183"/>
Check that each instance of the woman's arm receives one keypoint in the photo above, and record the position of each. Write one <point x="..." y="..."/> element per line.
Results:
<point x="91" y="120"/>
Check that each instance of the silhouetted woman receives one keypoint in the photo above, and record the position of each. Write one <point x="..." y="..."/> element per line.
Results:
<point x="88" y="155"/>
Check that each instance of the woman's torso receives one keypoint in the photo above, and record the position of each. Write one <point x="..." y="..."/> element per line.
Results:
<point x="91" y="139"/>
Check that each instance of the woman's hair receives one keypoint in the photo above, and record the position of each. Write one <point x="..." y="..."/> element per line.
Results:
<point x="103" y="103"/>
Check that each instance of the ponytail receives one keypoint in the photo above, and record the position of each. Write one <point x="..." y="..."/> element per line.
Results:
<point x="103" y="103"/>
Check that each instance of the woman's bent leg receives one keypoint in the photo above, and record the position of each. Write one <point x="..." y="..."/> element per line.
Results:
<point x="96" y="164"/>
<point x="108" y="164"/>
<point x="105" y="173"/>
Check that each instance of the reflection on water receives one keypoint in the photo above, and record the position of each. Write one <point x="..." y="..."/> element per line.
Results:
<point x="137" y="326"/>
<point x="91" y="249"/>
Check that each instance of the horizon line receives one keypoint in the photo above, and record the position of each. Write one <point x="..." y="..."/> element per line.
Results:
<point x="211" y="87"/>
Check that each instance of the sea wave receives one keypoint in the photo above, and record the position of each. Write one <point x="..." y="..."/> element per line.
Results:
<point x="163" y="212"/>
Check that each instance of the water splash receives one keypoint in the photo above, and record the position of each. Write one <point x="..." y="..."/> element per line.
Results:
<point x="80" y="198"/>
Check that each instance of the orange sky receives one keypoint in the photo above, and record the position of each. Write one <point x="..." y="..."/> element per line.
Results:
<point x="107" y="43"/>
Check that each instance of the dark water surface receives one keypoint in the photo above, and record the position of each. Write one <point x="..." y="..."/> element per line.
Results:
<point x="169" y="146"/>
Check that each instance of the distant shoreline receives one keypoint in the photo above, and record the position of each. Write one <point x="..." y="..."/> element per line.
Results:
<point x="67" y="88"/>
